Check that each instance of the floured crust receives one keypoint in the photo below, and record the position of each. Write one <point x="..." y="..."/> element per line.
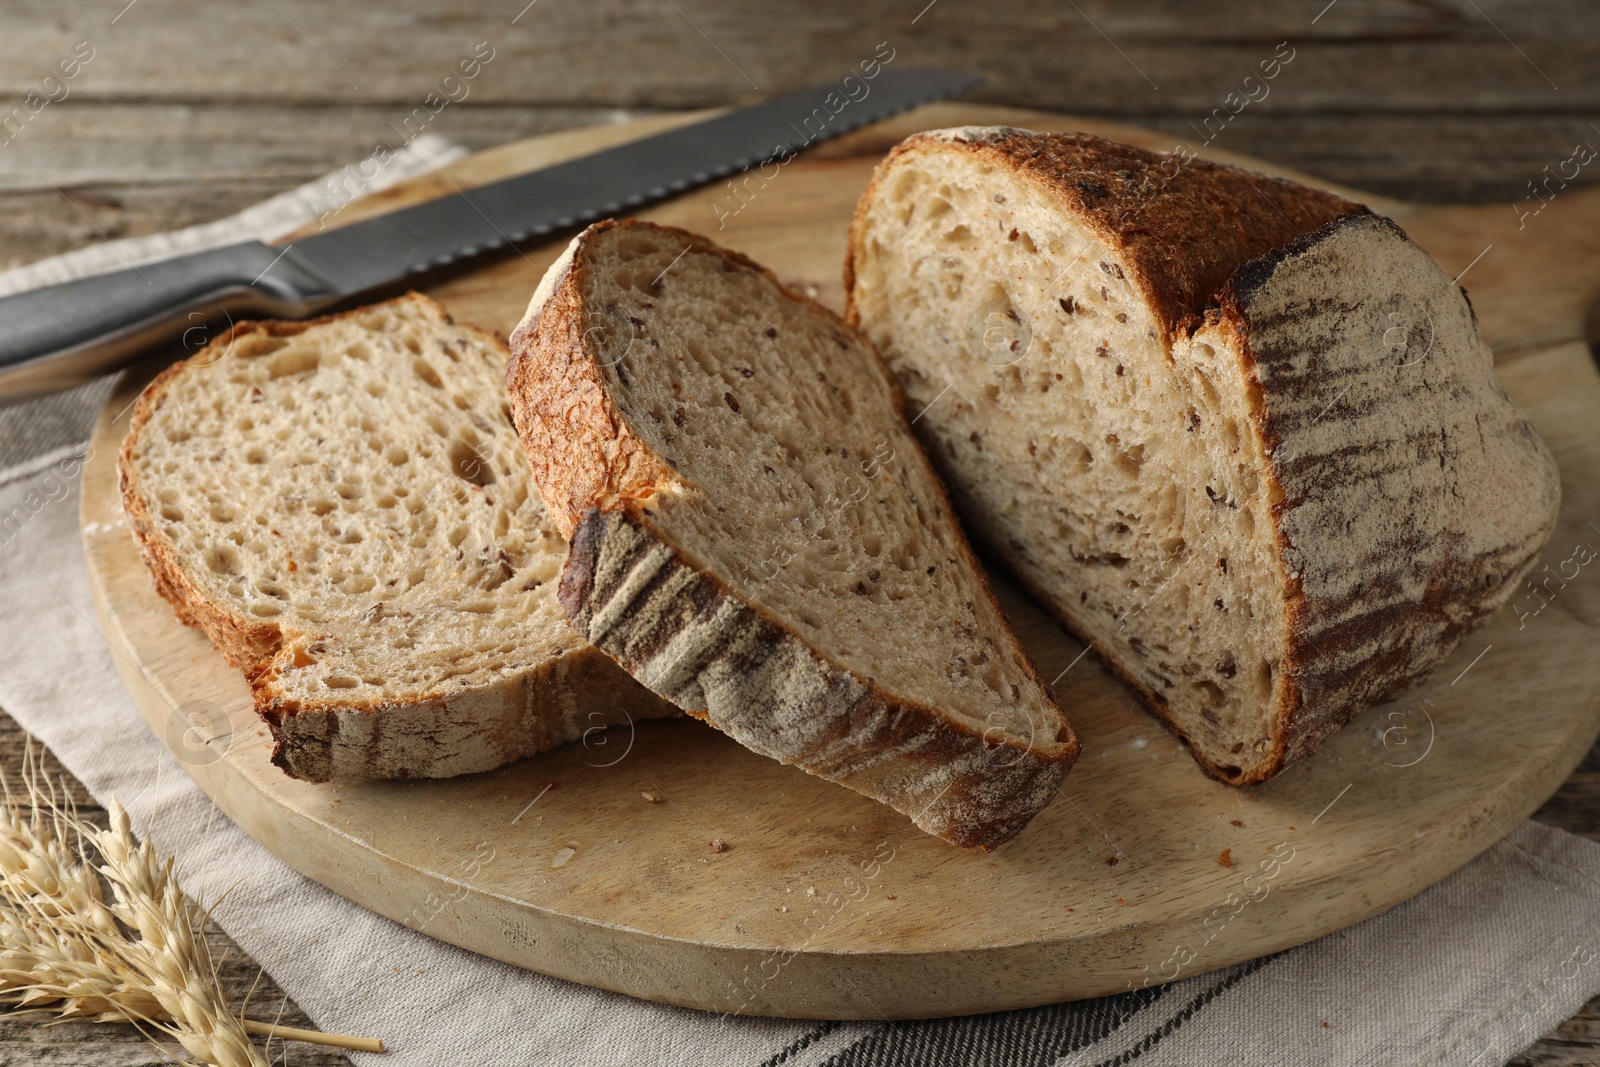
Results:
<point x="1345" y="654"/>
<point x="678" y="627"/>
<point x="686" y="635"/>
<point x="436" y="735"/>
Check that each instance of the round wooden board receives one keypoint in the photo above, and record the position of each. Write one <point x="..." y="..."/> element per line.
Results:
<point x="826" y="905"/>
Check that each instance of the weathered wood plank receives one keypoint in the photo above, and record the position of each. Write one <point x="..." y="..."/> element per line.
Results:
<point x="1093" y="56"/>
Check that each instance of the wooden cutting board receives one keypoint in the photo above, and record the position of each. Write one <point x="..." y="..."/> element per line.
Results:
<point x="827" y="905"/>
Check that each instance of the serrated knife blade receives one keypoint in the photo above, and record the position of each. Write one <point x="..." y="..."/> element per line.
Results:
<point x="61" y="335"/>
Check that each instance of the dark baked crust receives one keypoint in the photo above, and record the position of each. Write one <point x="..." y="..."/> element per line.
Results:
<point x="1182" y="229"/>
<point x="750" y="671"/>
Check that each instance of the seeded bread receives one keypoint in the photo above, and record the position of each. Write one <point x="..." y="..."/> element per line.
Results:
<point x="1242" y="436"/>
<point x="343" y="507"/>
<point x="757" y="537"/>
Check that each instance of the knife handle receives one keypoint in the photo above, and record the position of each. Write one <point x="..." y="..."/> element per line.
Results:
<point x="66" y="334"/>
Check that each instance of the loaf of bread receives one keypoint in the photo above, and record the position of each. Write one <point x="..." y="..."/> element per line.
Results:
<point x="342" y="505"/>
<point x="757" y="536"/>
<point x="1242" y="436"/>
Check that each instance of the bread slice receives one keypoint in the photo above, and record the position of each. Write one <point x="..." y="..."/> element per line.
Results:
<point x="342" y="505"/>
<point x="1241" y="435"/>
<point x="757" y="537"/>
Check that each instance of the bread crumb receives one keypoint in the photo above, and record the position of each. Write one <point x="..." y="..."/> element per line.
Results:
<point x="1121" y="903"/>
<point x="1237" y="822"/>
<point x="1113" y="861"/>
<point x="1324" y="1024"/>
<point x="811" y="890"/>
<point x="718" y="845"/>
<point x="651" y="797"/>
<point x="888" y="896"/>
<point x="1226" y="857"/>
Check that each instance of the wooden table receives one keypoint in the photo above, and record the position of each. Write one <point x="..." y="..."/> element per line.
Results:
<point x="186" y="111"/>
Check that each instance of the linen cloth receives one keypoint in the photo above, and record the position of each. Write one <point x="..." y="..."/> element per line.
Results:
<point x="1468" y="973"/>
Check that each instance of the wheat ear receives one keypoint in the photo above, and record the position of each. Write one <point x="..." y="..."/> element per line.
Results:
<point x="137" y="958"/>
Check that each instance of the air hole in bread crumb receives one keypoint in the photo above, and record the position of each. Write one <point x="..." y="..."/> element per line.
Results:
<point x="1129" y="461"/>
<point x="1230" y="435"/>
<point x="222" y="559"/>
<point x="341" y="681"/>
<point x="258" y="345"/>
<point x="1212" y="692"/>
<point x="293" y="361"/>
<point x="468" y="465"/>
<point x="425" y="371"/>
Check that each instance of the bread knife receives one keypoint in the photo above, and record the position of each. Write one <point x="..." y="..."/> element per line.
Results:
<point x="62" y="335"/>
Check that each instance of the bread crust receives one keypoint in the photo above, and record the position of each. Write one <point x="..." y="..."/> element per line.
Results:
<point x="675" y="626"/>
<point x="750" y="673"/>
<point x="1195" y="223"/>
<point x="1201" y="242"/>
<point x="1463" y="590"/>
<point x="437" y="735"/>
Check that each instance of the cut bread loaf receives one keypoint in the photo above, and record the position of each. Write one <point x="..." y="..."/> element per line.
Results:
<point x="342" y="505"/>
<point x="757" y="537"/>
<point x="1242" y="436"/>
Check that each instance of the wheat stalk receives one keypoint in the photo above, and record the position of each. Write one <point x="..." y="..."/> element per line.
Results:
<point x="139" y="957"/>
